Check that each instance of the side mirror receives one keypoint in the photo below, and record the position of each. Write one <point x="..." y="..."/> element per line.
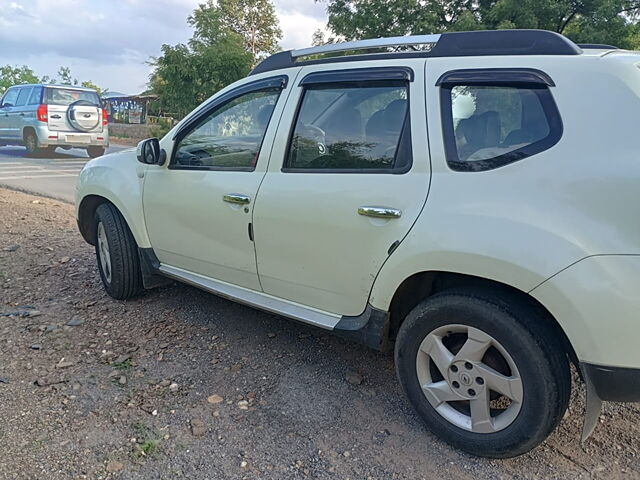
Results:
<point x="149" y="152"/>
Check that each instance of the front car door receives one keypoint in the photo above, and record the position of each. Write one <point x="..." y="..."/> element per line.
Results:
<point x="6" y="112"/>
<point x="345" y="183"/>
<point x="198" y="207"/>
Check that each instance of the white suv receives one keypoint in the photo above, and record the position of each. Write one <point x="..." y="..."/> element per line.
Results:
<point x="472" y="202"/>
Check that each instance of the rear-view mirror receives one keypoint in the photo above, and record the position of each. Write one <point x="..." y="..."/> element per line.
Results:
<point x="149" y="152"/>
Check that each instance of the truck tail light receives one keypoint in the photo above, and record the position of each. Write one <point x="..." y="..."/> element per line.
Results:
<point x="105" y="117"/>
<point x="42" y="114"/>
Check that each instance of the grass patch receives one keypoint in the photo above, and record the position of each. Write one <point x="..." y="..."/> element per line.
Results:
<point x="126" y="365"/>
<point x="147" y="442"/>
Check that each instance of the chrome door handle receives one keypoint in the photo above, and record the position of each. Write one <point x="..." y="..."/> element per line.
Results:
<point x="380" y="212"/>
<point x="236" y="198"/>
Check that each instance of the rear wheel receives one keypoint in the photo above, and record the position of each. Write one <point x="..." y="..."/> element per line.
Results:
<point x="483" y="372"/>
<point x="117" y="254"/>
<point x="94" y="152"/>
<point x="31" y="143"/>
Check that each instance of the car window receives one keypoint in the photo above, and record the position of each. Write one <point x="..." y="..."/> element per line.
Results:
<point x="504" y="123"/>
<point x="66" y="96"/>
<point x="10" y="97"/>
<point x="359" y="129"/>
<point x="231" y="136"/>
<point x="36" y="93"/>
<point x="23" y="96"/>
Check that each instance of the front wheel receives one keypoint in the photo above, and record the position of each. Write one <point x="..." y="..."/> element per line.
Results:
<point x="117" y="254"/>
<point x="95" y="152"/>
<point x="483" y="371"/>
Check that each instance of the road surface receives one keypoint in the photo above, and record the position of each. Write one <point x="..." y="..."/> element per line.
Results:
<point x="53" y="177"/>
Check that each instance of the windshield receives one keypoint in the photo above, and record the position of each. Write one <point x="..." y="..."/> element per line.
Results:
<point x="66" y="96"/>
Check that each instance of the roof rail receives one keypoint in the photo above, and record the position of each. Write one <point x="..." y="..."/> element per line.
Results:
<point x="597" y="46"/>
<point x="367" y="44"/>
<point x="453" y="44"/>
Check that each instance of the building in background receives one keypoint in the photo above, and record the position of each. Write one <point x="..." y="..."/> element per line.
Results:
<point x="131" y="109"/>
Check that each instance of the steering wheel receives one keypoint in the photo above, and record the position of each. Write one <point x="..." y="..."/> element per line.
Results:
<point x="317" y="135"/>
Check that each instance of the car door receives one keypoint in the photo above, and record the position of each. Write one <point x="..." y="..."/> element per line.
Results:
<point x="198" y="207"/>
<point x="348" y="177"/>
<point x="6" y="112"/>
<point x="20" y="111"/>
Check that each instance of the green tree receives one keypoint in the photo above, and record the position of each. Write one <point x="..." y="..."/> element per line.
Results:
<point x="186" y="75"/>
<point x="10" y="75"/>
<point x="601" y="21"/>
<point x="254" y="20"/>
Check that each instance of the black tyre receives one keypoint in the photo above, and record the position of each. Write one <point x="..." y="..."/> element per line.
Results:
<point x="117" y="254"/>
<point x="31" y="143"/>
<point x="95" y="152"/>
<point x="483" y="371"/>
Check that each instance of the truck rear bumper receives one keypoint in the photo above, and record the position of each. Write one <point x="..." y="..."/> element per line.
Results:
<point x="614" y="384"/>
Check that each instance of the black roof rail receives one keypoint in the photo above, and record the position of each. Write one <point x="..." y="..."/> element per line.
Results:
<point x="452" y="44"/>
<point x="597" y="46"/>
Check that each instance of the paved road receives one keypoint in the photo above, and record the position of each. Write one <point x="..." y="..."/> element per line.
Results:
<point x="52" y="177"/>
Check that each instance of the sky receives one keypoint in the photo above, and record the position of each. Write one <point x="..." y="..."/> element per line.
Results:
<point x="110" y="41"/>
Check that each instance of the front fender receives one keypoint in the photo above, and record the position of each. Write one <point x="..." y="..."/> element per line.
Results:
<point x="118" y="178"/>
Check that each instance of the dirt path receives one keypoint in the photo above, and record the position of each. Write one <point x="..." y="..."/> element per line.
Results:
<point x="182" y="384"/>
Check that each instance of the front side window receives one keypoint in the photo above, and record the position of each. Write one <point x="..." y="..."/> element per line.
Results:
<point x="351" y="128"/>
<point x="488" y="126"/>
<point x="23" y="96"/>
<point x="230" y="137"/>
<point x="10" y="97"/>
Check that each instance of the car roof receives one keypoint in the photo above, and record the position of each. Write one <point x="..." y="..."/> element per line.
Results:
<point x="450" y="44"/>
<point x="55" y="85"/>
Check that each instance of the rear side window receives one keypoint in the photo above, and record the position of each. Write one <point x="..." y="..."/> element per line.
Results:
<point x="36" y="93"/>
<point x="491" y="122"/>
<point x="352" y="127"/>
<point x="23" y="96"/>
<point x="66" y="96"/>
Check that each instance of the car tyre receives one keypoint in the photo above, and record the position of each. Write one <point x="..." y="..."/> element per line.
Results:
<point x="460" y="357"/>
<point x="31" y="144"/>
<point x="117" y="254"/>
<point x="95" y="152"/>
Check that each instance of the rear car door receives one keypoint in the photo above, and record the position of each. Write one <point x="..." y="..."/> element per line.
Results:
<point x="198" y="207"/>
<point x="20" y="112"/>
<point x="348" y="177"/>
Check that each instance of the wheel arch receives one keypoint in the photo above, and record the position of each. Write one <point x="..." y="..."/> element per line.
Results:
<point x="422" y="285"/>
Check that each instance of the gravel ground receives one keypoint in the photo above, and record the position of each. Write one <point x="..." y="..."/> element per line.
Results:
<point x="182" y="384"/>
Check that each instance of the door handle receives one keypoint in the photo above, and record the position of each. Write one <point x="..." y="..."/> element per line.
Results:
<point x="22" y="114"/>
<point x="236" y="198"/>
<point x="380" y="212"/>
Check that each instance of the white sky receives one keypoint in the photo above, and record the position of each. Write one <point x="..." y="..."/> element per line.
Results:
<point x="109" y="41"/>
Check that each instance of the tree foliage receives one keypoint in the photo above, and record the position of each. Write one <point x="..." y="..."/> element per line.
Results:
<point x="592" y="21"/>
<point x="10" y="76"/>
<point x="254" y="20"/>
<point x="229" y="36"/>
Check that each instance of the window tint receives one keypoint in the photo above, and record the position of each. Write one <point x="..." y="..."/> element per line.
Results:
<point x="489" y="126"/>
<point x="23" y="96"/>
<point x="350" y="127"/>
<point x="231" y="136"/>
<point x="10" y="97"/>
<point x="66" y="96"/>
<point x="34" y="99"/>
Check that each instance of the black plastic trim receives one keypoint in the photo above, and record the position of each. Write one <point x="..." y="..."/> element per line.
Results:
<point x="549" y="106"/>
<point x="614" y="384"/>
<point x="359" y="75"/>
<point x="150" y="269"/>
<point x="503" y="42"/>
<point x="495" y="76"/>
<point x="278" y="82"/>
<point x="371" y="328"/>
